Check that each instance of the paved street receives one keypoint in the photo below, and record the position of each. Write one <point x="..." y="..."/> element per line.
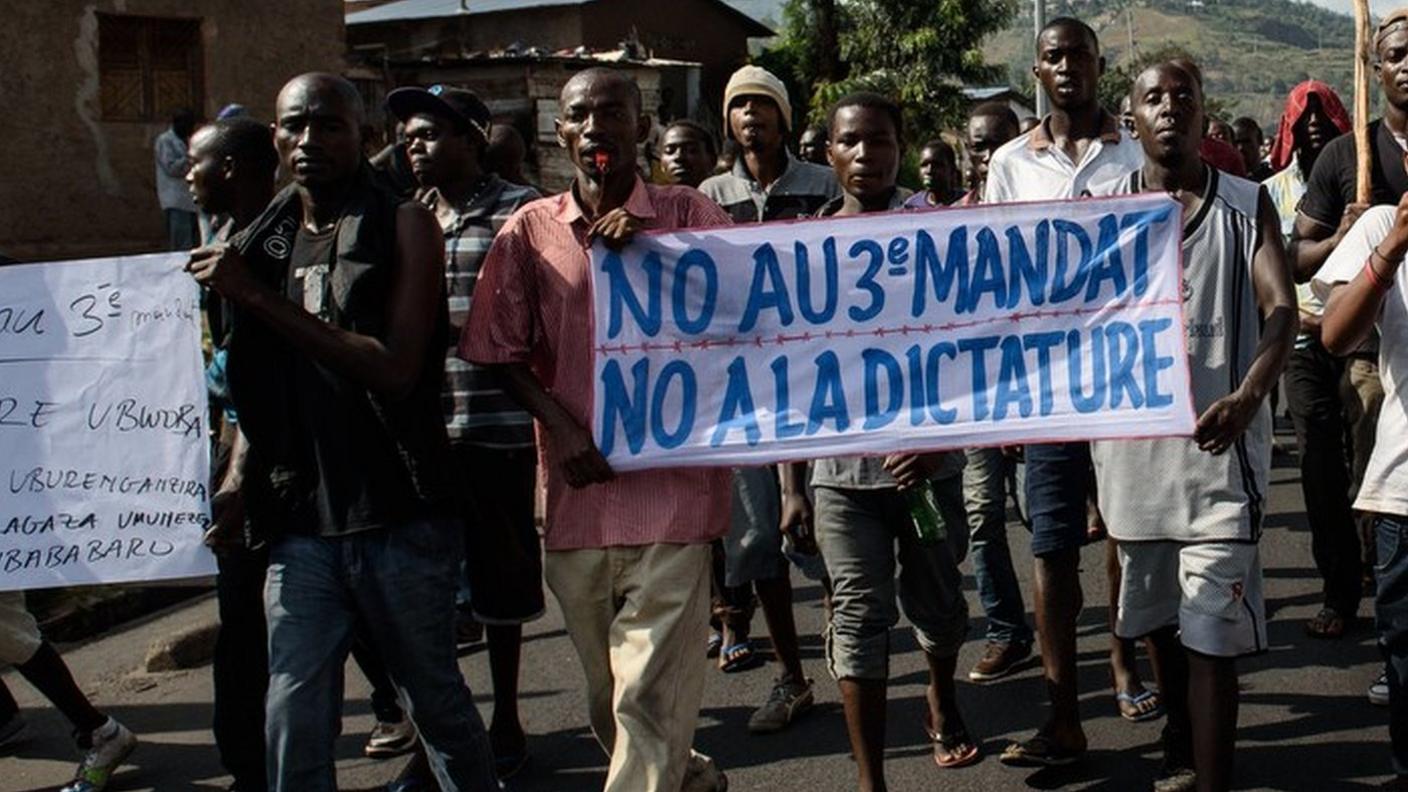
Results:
<point x="1305" y="722"/>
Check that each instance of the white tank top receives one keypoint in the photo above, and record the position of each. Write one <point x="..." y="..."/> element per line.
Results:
<point x="1167" y="489"/>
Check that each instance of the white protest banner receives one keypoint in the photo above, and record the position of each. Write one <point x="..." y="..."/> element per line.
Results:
<point x="887" y="332"/>
<point x="103" y="448"/>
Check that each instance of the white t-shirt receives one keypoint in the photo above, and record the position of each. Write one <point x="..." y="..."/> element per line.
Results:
<point x="1385" y="487"/>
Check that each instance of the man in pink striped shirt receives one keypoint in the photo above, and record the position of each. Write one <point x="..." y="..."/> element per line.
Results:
<point x="627" y="554"/>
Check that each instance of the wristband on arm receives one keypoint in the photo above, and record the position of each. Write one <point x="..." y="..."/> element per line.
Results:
<point x="1375" y="279"/>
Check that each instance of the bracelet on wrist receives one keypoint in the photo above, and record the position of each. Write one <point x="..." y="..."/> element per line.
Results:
<point x="1375" y="279"/>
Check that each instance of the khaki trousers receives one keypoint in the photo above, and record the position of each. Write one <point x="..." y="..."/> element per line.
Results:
<point x="638" y="617"/>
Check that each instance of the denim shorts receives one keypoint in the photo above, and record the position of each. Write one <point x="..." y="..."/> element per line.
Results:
<point x="1058" y="480"/>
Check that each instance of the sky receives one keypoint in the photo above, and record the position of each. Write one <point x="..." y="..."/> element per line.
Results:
<point x="1376" y="7"/>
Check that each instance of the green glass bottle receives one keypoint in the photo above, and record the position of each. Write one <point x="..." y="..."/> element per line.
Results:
<point x="924" y="511"/>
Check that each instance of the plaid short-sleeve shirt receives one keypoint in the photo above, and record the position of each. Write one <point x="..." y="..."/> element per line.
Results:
<point x="477" y="411"/>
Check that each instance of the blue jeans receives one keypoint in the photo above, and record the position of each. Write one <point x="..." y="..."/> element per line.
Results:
<point x="985" y="496"/>
<point x="397" y="586"/>
<point x="1391" y="610"/>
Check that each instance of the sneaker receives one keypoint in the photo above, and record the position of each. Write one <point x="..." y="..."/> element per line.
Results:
<point x="999" y="659"/>
<point x="1178" y="779"/>
<point x="390" y="739"/>
<point x="789" y="698"/>
<point x="11" y="730"/>
<point x="111" y="744"/>
<point x="1378" y="692"/>
<point x="702" y="775"/>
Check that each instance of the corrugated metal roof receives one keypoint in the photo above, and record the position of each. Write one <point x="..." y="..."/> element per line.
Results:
<point x="980" y="94"/>
<point x="433" y="9"/>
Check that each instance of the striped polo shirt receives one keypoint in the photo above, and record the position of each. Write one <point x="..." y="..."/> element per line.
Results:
<point x="477" y="411"/>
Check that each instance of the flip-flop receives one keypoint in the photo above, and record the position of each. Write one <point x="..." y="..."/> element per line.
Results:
<point x="713" y="645"/>
<point x="738" y="657"/>
<point x="1038" y="752"/>
<point x="951" y="741"/>
<point x="1137" y="699"/>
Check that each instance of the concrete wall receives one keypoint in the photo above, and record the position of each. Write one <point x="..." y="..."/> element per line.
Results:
<point x="72" y="184"/>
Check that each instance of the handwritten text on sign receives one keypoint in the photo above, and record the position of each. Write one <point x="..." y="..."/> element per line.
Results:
<point x="103" y="450"/>
<point x="886" y="332"/>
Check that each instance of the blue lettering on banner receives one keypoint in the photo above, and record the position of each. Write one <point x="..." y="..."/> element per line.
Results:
<point x="829" y="397"/>
<point x="1068" y="316"/>
<point x="700" y="260"/>
<point x="830" y="283"/>
<point x="738" y="411"/>
<point x="768" y="291"/>
<point x="646" y="317"/>
<point x="876" y="361"/>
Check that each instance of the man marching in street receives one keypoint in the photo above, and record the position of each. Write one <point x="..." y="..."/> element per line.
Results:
<point x="1188" y="511"/>
<point x="862" y="517"/>
<point x="491" y="437"/>
<point x="766" y="183"/>
<point x="1079" y="144"/>
<point x="336" y="358"/>
<point x="628" y="554"/>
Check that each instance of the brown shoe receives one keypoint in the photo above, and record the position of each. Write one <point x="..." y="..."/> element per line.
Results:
<point x="999" y="660"/>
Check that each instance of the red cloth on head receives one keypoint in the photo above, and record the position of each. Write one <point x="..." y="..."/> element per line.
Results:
<point x="1222" y="156"/>
<point x="1284" y="148"/>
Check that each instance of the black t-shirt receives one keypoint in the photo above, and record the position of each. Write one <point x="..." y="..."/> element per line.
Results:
<point x="360" y="482"/>
<point x="1332" y="181"/>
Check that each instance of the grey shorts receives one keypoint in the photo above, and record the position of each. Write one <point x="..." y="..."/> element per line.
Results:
<point x="19" y="633"/>
<point x="754" y="548"/>
<point x="1211" y="591"/>
<point x="865" y="536"/>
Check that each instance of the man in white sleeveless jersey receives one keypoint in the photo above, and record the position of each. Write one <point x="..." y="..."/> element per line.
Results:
<point x="1188" y="533"/>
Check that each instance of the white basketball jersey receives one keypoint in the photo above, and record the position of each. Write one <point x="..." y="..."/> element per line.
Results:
<point x="1167" y="488"/>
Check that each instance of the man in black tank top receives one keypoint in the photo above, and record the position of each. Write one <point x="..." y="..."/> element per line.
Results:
<point x="335" y="363"/>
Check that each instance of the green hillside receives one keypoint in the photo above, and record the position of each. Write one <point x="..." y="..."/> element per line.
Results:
<point x="1251" y="51"/>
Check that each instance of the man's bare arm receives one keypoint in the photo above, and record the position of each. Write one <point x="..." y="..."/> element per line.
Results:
<point x="1312" y="241"/>
<point x="571" y="445"/>
<point x="391" y="367"/>
<point x="1354" y="307"/>
<point x="797" y="513"/>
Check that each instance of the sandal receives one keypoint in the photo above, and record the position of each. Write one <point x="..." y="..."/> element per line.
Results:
<point x="1137" y="702"/>
<point x="714" y="644"/>
<point x="961" y="749"/>
<point x="738" y="657"/>
<point x="1039" y="752"/>
<point x="1327" y="624"/>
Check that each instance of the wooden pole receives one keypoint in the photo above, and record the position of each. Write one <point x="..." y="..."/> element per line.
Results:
<point x="1363" y="184"/>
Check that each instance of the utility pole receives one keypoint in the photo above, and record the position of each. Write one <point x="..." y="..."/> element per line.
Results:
<point x="1039" y="22"/>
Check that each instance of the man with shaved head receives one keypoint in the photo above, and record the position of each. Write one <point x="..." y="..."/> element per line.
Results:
<point x="336" y="356"/>
<point x="628" y="554"/>
<point x="1187" y="512"/>
<point x="1077" y="145"/>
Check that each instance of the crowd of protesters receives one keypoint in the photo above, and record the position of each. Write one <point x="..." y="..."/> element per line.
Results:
<point x="403" y="352"/>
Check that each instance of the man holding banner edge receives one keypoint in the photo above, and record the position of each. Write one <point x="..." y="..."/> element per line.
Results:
<point x="1188" y="535"/>
<point x="862" y="517"/>
<point x="627" y="554"/>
